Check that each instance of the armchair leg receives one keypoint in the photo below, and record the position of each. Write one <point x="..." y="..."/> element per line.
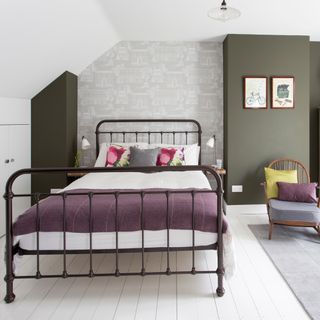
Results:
<point x="270" y="230"/>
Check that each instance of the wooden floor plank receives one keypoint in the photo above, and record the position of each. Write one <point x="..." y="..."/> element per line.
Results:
<point x="251" y="276"/>
<point x="194" y="292"/>
<point x="225" y="305"/>
<point x="56" y="295"/>
<point x="90" y="300"/>
<point x="72" y="297"/>
<point x="243" y="300"/>
<point x="148" y="298"/>
<point x="127" y="305"/>
<point x="167" y="298"/>
<point x="113" y="290"/>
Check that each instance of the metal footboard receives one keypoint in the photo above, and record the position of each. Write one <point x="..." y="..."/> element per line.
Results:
<point x="11" y="249"/>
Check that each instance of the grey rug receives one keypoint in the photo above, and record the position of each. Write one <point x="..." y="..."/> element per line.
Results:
<point x="296" y="254"/>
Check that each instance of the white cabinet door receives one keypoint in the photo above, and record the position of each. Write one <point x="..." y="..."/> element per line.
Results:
<point x="14" y="155"/>
<point x="4" y="173"/>
<point x="19" y="157"/>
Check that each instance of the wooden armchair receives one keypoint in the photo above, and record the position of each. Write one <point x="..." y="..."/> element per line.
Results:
<point x="292" y="213"/>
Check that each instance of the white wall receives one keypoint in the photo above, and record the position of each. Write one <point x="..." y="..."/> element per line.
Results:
<point x="15" y="111"/>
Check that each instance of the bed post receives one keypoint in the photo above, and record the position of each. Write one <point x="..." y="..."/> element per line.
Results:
<point x="220" y="270"/>
<point x="9" y="246"/>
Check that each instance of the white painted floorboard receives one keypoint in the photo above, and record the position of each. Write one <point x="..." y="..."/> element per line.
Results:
<point x="257" y="291"/>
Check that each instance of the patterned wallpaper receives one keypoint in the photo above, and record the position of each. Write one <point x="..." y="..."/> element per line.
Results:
<point x="154" y="80"/>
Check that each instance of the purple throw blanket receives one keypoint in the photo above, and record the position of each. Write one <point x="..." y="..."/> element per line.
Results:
<point x="129" y="207"/>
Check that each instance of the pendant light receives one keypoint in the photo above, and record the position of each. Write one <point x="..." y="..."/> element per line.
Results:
<point x="224" y="12"/>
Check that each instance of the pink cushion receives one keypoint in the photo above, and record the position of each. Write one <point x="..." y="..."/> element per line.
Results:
<point x="170" y="157"/>
<point x="117" y="156"/>
<point x="297" y="192"/>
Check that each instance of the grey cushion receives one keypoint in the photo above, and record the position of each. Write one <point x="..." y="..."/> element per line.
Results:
<point x="143" y="157"/>
<point x="294" y="211"/>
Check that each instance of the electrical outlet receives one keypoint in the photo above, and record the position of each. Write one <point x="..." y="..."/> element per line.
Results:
<point x="237" y="188"/>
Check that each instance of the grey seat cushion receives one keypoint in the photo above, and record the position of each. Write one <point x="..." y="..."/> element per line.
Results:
<point x="294" y="211"/>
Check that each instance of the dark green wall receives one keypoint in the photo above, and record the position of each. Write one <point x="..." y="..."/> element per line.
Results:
<point x="54" y="130"/>
<point x="314" y="105"/>
<point x="255" y="137"/>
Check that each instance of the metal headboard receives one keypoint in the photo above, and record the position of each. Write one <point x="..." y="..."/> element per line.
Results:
<point x="197" y="130"/>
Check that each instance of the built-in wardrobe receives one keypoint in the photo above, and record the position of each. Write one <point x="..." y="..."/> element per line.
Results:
<point x="14" y="152"/>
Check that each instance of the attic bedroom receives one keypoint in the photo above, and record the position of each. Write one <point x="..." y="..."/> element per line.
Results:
<point x="159" y="159"/>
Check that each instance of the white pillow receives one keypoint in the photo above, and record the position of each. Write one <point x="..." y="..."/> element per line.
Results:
<point x="191" y="152"/>
<point x="101" y="160"/>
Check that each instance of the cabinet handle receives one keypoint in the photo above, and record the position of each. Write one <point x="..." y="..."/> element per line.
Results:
<point x="12" y="160"/>
<point x="6" y="161"/>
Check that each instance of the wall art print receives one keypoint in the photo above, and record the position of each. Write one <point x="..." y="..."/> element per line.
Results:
<point x="282" y="92"/>
<point x="255" y="92"/>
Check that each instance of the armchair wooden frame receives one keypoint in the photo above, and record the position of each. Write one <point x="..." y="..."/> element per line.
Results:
<point x="303" y="177"/>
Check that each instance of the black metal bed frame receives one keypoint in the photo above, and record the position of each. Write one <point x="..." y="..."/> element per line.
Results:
<point x="197" y="131"/>
<point x="12" y="249"/>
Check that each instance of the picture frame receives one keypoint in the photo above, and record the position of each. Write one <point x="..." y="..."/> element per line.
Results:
<point x="255" y="92"/>
<point x="282" y="92"/>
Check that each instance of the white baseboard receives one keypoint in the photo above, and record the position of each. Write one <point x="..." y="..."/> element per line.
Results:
<point x="245" y="209"/>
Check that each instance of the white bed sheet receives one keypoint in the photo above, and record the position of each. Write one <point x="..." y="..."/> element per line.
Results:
<point x="107" y="240"/>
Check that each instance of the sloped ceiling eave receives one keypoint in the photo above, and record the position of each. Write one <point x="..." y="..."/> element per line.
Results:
<point x="41" y="39"/>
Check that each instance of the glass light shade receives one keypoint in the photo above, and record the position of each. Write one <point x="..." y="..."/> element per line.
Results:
<point x="85" y="144"/>
<point x="211" y="142"/>
<point x="224" y="13"/>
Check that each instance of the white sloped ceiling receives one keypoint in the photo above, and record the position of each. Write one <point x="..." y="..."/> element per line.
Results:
<point x="40" y="39"/>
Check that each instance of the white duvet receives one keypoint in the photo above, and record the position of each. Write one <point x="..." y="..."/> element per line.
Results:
<point x="137" y="180"/>
<point x="132" y="239"/>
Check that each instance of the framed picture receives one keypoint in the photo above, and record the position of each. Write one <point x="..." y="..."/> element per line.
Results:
<point x="255" y="93"/>
<point x="282" y="92"/>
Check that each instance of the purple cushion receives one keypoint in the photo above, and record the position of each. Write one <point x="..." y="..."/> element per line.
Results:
<point x="297" y="192"/>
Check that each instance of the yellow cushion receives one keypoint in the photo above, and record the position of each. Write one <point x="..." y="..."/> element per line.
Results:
<point x="274" y="176"/>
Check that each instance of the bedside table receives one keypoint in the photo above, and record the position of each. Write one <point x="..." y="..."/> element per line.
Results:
<point x="221" y="172"/>
<point x="72" y="176"/>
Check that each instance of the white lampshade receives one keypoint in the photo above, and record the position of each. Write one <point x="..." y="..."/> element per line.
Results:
<point x="224" y="12"/>
<point x="85" y="144"/>
<point x="211" y="142"/>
